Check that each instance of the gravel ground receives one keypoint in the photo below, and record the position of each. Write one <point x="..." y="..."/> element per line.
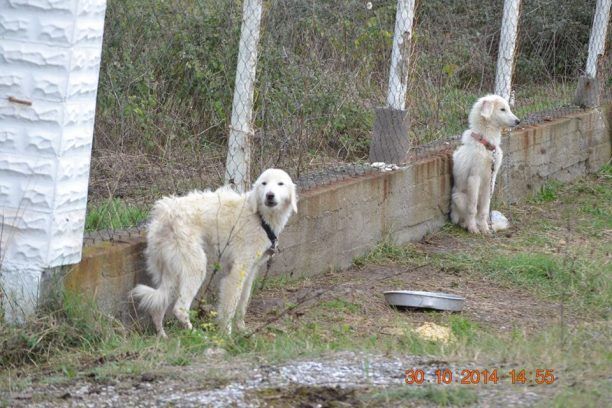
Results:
<point x="333" y="380"/>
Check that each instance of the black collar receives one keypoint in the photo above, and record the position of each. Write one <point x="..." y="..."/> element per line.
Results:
<point x="271" y="235"/>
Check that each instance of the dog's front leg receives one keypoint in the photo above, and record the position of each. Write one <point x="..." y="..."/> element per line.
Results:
<point x="471" y="207"/>
<point x="230" y="291"/>
<point x="485" y="199"/>
<point x="497" y="161"/>
<point x="243" y="304"/>
<point x="484" y="203"/>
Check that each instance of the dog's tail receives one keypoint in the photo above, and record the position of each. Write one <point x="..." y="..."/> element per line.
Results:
<point x="151" y="299"/>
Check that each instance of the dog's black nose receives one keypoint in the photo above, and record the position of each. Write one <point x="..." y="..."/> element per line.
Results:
<point x="517" y="121"/>
<point x="270" y="196"/>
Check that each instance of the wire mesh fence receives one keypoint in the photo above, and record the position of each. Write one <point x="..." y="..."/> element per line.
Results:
<point x="300" y="85"/>
<point x="551" y="52"/>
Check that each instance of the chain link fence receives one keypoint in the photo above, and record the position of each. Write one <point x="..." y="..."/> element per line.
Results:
<point x="308" y="86"/>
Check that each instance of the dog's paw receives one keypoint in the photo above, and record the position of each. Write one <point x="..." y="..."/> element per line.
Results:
<point x="225" y="327"/>
<point x="240" y="326"/>
<point x="186" y="324"/>
<point x="484" y="228"/>
<point x="472" y="228"/>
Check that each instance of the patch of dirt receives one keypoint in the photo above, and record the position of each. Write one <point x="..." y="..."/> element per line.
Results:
<point x="490" y="303"/>
<point x="308" y="396"/>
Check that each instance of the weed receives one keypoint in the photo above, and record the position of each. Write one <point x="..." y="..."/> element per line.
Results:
<point x="341" y="306"/>
<point x="583" y="282"/>
<point x="113" y="214"/>
<point x="386" y="252"/>
<point x="525" y="269"/>
<point x="593" y="396"/>
<point x="548" y="192"/>
<point x="277" y="282"/>
<point x="463" y="328"/>
<point x="606" y="170"/>
<point x="70" y="324"/>
<point x="179" y="361"/>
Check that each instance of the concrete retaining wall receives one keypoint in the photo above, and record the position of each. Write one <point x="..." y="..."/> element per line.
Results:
<point x="338" y="222"/>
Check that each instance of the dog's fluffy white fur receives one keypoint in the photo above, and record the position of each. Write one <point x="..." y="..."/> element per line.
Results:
<point x="223" y="226"/>
<point x="475" y="167"/>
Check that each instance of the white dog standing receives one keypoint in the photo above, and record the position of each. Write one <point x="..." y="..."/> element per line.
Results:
<point x="477" y="161"/>
<point x="238" y="230"/>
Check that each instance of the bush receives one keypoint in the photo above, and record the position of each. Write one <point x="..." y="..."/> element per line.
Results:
<point x="168" y="70"/>
<point x="67" y="323"/>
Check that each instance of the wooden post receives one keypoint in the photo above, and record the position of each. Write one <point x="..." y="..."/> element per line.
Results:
<point x="390" y="140"/>
<point x="587" y="93"/>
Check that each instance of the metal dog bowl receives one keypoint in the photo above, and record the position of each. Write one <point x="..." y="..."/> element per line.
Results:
<point x="428" y="300"/>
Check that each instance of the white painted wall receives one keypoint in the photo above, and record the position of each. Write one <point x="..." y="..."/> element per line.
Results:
<point x="50" y="58"/>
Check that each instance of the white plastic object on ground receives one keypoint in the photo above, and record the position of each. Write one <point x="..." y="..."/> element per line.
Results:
<point x="384" y="166"/>
<point x="498" y="221"/>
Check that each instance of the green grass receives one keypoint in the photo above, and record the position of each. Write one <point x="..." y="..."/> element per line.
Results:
<point x="581" y="281"/>
<point x="312" y="339"/>
<point x="593" y="396"/>
<point x="441" y="396"/>
<point x="276" y="282"/>
<point x="537" y="98"/>
<point x="68" y="323"/>
<point x="548" y="192"/>
<point x="463" y="328"/>
<point x="113" y="214"/>
<point x="73" y="339"/>
<point x="341" y="306"/>
<point x="71" y="332"/>
<point x="386" y="252"/>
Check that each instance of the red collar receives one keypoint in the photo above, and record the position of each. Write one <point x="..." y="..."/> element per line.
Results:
<point x="481" y="139"/>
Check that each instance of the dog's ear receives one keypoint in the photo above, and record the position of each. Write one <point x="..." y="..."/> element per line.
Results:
<point x="486" y="109"/>
<point x="251" y="200"/>
<point x="293" y="198"/>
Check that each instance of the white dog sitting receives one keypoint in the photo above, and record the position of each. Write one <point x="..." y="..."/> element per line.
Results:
<point x="477" y="161"/>
<point x="237" y="230"/>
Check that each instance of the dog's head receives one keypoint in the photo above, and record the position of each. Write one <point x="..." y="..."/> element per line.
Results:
<point x="492" y="111"/>
<point x="274" y="188"/>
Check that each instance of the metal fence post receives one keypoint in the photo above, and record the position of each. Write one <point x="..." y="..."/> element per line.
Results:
<point x="238" y="162"/>
<point x="507" y="46"/>
<point x="587" y="92"/>
<point x="390" y="140"/>
<point x="398" y="73"/>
